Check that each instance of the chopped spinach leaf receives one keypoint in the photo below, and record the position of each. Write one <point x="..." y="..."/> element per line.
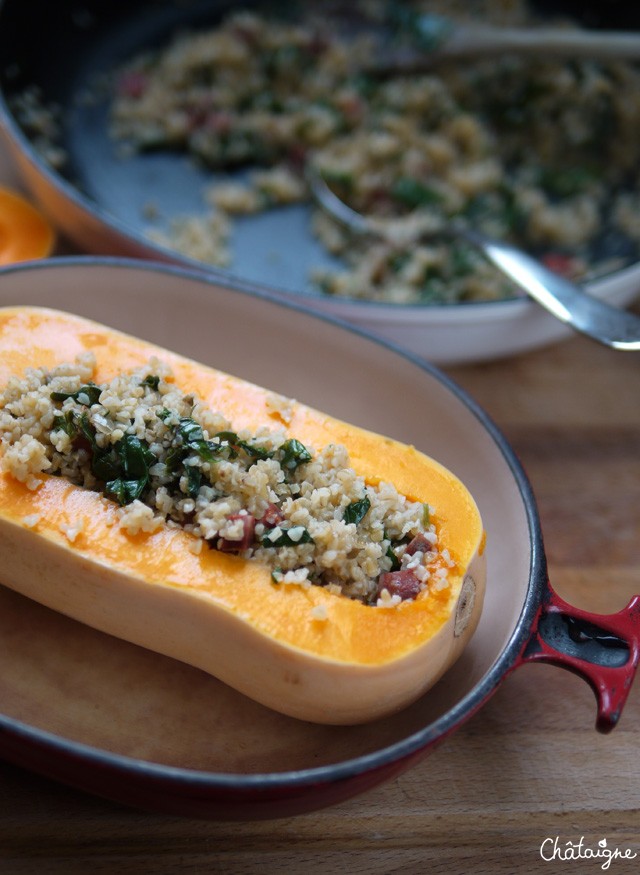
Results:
<point x="189" y="431"/>
<point x="205" y="449"/>
<point x="565" y="182"/>
<point x="194" y="480"/>
<point x="289" y="538"/>
<point x="357" y="510"/>
<point x="236" y="444"/>
<point x="174" y="457"/>
<point x="230" y="443"/>
<point x="395" y="562"/>
<point x="413" y="193"/>
<point x="86" y="429"/>
<point x="105" y="465"/>
<point x="192" y="437"/>
<point x="66" y="423"/>
<point x="123" y="467"/>
<point x="87" y="395"/>
<point x="256" y="452"/>
<point x="125" y="491"/>
<point x="135" y="457"/>
<point x="294" y="453"/>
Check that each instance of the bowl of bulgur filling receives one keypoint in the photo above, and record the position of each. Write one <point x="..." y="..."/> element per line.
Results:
<point x="191" y="145"/>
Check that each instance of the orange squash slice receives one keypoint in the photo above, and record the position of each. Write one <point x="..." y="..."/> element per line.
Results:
<point x="24" y="232"/>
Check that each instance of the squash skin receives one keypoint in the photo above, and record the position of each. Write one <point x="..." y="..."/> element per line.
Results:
<point x="216" y="611"/>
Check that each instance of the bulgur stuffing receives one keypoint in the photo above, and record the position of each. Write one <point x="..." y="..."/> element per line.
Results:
<point x="541" y="152"/>
<point x="168" y="460"/>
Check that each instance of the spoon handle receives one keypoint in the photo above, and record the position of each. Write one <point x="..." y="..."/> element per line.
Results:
<point x="448" y="41"/>
<point x="568" y="43"/>
<point x="565" y="300"/>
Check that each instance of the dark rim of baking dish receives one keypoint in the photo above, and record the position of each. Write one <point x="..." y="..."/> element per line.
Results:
<point x="385" y="756"/>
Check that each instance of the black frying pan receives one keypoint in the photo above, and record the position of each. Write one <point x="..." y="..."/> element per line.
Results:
<point x="62" y="47"/>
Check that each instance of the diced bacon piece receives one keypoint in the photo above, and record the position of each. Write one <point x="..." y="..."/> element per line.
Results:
<point x="226" y="545"/>
<point x="418" y="544"/>
<point x="133" y="84"/>
<point x="564" y="265"/>
<point x="403" y="583"/>
<point x="352" y="107"/>
<point x="272" y="516"/>
<point x="218" y="122"/>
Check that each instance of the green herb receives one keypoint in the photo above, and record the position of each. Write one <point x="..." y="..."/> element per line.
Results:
<point x="174" y="458"/>
<point x="435" y="290"/>
<point x="413" y="193"/>
<point x="125" y="491"/>
<point x="342" y="178"/>
<point x="135" y="456"/>
<point x="463" y="259"/>
<point x="189" y="431"/>
<point x="426" y="516"/>
<point x="192" y="437"/>
<point x="130" y="463"/>
<point x="89" y="391"/>
<point x="194" y="480"/>
<point x="398" y="260"/>
<point x="230" y="438"/>
<point x="357" y="510"/>
<point x="256" y="452"/>
<point x="105" y="464"/>
<point x="66" y="423"/>
<point x="391" y="554"/>
<point x="152" y="381"/>
<point x="285" y="539"/>
<point x="294" y="453"/>
<point x="234" y="442"/>
<point x="365" y="85"/>
<point x="565" y="182"/>
<point x="164" y="414"/>
<point x="86" y="429"/>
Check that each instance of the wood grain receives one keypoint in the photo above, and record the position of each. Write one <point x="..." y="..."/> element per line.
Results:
<point x="529" y="766"/>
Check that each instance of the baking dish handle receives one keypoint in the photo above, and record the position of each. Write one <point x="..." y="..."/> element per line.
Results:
<point x="603" y="649"/>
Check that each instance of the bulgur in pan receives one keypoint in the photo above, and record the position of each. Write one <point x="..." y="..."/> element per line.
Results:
<point x="544" y="153"/>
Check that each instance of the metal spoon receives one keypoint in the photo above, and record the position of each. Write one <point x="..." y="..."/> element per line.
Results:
<point x="436" y="38"/>
<point x="565" y="300"/>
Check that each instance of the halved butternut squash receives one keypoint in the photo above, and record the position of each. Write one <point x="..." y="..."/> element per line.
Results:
<point x="215" y="610"/>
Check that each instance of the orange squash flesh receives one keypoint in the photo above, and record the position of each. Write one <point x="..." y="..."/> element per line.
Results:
<point x="217" y="611"/>
<point x="24" y="232"/>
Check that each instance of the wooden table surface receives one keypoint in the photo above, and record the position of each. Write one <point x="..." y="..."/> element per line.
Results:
<point x="528" y="768"/>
